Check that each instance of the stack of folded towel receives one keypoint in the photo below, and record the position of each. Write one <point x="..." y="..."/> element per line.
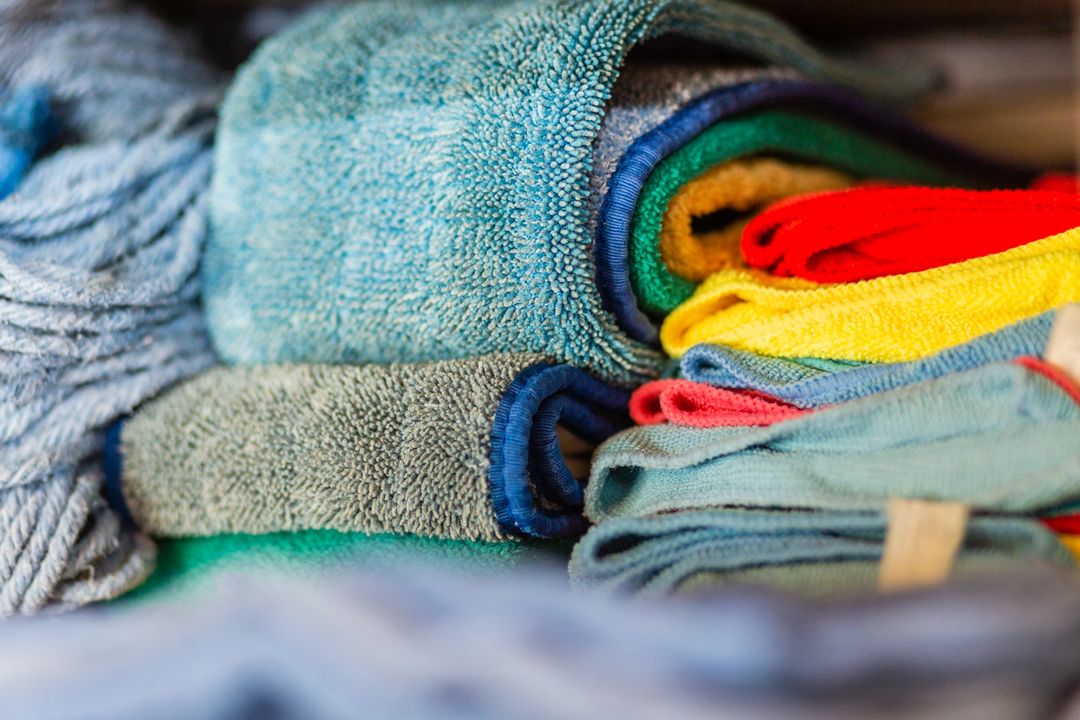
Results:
<point x="474" y="245"/>
<point x="450" y="250"/>
<point x="863" y="344"/>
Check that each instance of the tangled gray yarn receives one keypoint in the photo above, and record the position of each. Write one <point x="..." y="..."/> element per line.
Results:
<point x="99" y="249"/>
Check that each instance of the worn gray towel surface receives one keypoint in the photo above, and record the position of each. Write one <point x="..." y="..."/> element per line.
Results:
<point x="456" y="449"/>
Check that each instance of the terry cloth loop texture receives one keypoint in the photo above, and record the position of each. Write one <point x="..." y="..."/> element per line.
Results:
<point x="848" y="134"/>
<point x="872" y="231"/>
<point x="809" y="382"/>
<point x="699" y="405"/>
<point x="99" y="246"/>
<point x="811" y="553"/>
<point x="721" y="202"/>
<point x="395" y="183"/>
<point x="1000" y="438"/>
<point x="460" y="449"/>
<point x="886" y="319"/>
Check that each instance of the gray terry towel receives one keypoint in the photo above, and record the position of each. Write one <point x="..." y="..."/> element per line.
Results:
<point x="455" y="449"/>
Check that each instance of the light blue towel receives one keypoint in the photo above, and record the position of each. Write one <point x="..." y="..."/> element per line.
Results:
<point x="1001" y="438"/>
<point x="410" y="181"/>
<point x="801" y="503"/>
<point x="811" y="382"/>
<point x="812" y="553"/>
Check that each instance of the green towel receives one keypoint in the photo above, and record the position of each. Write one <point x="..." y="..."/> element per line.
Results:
<point x="462" y="449"/>
<point x="190" y="564"/>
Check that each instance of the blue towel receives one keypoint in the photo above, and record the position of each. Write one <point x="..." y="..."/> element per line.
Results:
<point x="672" y="503"/>
<point x="811" y="383"/>
<point x="1000" y="438"/>
<point x="812" y="553"/>
<point x="408" y="182"/>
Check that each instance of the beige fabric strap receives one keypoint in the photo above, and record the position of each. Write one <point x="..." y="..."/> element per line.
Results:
<point x="921" y="542"/>
<point x="1063" y="348"/>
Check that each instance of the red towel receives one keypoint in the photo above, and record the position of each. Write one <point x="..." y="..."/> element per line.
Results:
<point x="869" y="231"/>
<point x="698" y="405"/>
<point x="1064" y="524"/>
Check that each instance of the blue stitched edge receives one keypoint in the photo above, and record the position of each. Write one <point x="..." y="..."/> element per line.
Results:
<point x="112" y="465"/>
<point x="644" y="154"/>
<point x="528" y="482"/>
<point x="547" y="468"/>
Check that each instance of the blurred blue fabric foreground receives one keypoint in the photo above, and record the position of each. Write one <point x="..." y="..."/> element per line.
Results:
<point x="412" y="644"/>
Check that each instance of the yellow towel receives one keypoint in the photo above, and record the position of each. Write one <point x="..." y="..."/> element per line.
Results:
<point x="1072" y="544"/>
<point x="887" y="319"/>
<point x="740" y="186"/>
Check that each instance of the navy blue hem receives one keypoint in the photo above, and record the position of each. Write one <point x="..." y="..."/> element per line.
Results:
<point x="532" y="491"/>
<point x="112" y="465"/>
<point x="641" y="158"/>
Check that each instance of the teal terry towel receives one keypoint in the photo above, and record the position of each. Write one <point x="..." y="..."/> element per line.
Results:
<point x="459" y="449"/>
<point x="410" y="181"/>
<point x="812" y="553"/>
<point x="1001" y="438"/>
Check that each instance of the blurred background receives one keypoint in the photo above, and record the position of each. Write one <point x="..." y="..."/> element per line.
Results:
<point x="1009" y="66"/>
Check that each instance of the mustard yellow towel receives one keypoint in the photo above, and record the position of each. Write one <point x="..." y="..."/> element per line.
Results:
<point x="1072" y="544"/>
<point x="704" y="221"/>
<point x="887" y="319"/>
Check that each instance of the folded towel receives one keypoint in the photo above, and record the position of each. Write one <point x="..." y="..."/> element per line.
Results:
<point x="454" y="449"/>
<point x="813" y="553"/>
<point x="732" y="122"/>
<point x="1000" y="438"/>
<point x="699" y="405"/>
<point x="1071" y="543"/>
<point x="873" y="231"/>
<point x="681" y="507"/>
<point x="99" y="245"/>
<point x="196" y="563"/>
<point x="887" y="319"/>
<point x="650" y="90"/>
<point x="703" y="223"/>
<point x="411" y="182"/>
<point x="810" y="382"/>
